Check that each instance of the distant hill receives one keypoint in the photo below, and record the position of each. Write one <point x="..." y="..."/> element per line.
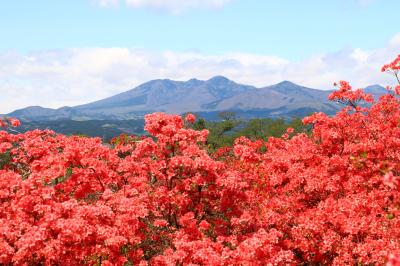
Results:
<point x="207" y="98"/>
<point x="105" y="129"/>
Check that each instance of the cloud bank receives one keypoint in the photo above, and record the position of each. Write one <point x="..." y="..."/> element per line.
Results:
<point x="174" y="6"/>
<point x="75" y="76"/>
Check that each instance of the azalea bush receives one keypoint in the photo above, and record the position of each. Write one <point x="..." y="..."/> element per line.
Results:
<point x="326" y="198"/>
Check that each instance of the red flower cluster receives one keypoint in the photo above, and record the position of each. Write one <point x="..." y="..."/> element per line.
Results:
<point x="6" y="122"/>
<point x="329" y="198"/>
<point x="348" y="96"/>
<point x="190" y="118"/>
<point x="392" y="66"/>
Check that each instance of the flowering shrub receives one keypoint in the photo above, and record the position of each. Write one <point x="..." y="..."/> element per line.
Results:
<point x="190" y="118"/>
<point x="328" y="198"/>
<point x="6" y="122"/>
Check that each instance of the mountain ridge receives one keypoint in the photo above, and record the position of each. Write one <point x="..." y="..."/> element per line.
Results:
<point x="200" y="96"/>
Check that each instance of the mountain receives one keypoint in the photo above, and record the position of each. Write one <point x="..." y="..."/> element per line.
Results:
<point x="39" y="113"/>
<point x="105" y="129"/>
<point x="206" y="97"/>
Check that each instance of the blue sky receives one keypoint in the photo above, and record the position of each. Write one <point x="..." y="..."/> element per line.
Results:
<point x="286" y="28"/>
<point x="56" y="53"/>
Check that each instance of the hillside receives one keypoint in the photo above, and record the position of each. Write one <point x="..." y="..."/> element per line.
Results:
<point x="208" y="98"/>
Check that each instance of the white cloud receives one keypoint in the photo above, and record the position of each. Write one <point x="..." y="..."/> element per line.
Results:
<point x="106" y="3"/>
<point x="75" y="76"/>
<point x="366" y="2"/>
<point x="174" y="6"/>
<point x="395" y="41"/>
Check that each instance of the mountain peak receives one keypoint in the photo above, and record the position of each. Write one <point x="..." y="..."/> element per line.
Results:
<point x="376" y="89"/>
<point x="209" y="96"/>
<point x="219" y="80"/>
<point x="286" y="83"/>
<point x="376" y="86"/>
<point x="194" y="81"/>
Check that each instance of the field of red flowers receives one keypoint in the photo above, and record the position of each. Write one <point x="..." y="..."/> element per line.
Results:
<point x="328" y="198"/>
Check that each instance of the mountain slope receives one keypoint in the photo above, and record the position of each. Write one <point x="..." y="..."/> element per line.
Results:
<point x="210" y="96"/>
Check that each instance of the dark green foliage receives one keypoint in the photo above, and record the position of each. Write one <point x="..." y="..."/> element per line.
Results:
<point x="105" y="129"/>
<point x="60" y="179"/>
<point x="5" y="159"/>
<point x="200" y="124"/>
<point x="223" y="133"/>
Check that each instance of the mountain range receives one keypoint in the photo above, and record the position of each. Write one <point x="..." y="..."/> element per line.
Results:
<point x="204" y="97"/>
